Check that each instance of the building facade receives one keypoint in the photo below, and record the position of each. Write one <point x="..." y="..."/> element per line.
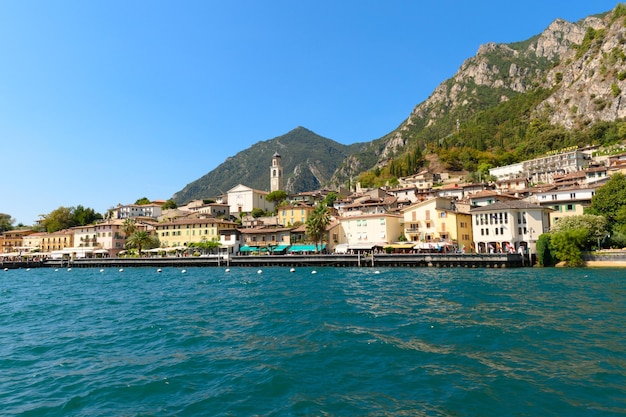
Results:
<point x="181" y="232"/>
<point x="242" y="199"/>
<point x="507" y="226"/>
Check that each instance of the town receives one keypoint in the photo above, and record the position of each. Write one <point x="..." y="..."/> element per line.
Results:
<point x="425" y="213"/>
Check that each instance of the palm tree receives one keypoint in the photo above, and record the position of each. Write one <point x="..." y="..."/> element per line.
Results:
<point x="316" y="225"/>
<point x="141" y="239"/>
<point x="129" y="227"/>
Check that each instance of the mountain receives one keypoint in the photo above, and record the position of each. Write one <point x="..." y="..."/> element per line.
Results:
<point x="308" y="160"/>
<point x="563" y="87"/>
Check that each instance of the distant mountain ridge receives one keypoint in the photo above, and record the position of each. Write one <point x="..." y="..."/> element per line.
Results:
<point x="309" y="161"/>
<point x="563" y="87"/>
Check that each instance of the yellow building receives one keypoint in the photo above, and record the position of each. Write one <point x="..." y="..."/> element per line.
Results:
<point x="13" y="240"/>
<point x="436" y="220"/>
<point x="291" y="214"/>
<point x="32" y="242"/>
<point x="57" y="241"/>
<point x="184" y="231"/>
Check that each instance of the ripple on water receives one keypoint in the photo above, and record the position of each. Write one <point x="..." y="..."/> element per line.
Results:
<point x="340" y="342"/>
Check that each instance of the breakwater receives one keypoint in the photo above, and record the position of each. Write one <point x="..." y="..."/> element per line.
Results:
<point x="453" y="260"/>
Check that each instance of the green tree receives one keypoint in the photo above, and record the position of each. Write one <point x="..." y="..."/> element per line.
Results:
<point x="140" y="240"/>
<point x="276" y="197"/>
<point x="169" y="204"/>
<point x="544" y="252"/>
<point x="316" y="224"/>
<point x="6" y="222"/>
<point x="206" y="245"/>
<point x="143" y="201"/>
<point x="129" y="227"/>
<point x="330" y="199"/>
<point x="59" y="219"/>
<point x="257" y="212"/>
<point x="596" y="227"/>
<point x="84" y="216"/>
<point x="568" y="245"/>
<point x="609" y="199"/>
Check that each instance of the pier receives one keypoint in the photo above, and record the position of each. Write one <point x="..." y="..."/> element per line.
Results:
<point x="426" y="260"/>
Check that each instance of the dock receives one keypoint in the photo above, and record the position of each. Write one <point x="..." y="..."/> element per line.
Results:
<point x="426" y="260"/>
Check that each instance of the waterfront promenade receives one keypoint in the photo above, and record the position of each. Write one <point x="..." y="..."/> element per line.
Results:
<point x="454" y="260"/>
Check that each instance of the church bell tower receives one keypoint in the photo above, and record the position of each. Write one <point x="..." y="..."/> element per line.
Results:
<point x="276" y="173"/>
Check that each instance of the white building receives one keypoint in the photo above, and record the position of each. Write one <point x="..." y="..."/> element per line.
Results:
<point x="242" y="199"/>
<point x="506" y="226"/>
<point x="137" y="210"/>
<point x="570" y="201"/>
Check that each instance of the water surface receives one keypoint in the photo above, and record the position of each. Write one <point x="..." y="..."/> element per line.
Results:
<point x="341" y="342"/>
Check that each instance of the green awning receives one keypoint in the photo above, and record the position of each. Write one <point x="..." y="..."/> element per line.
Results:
<point x="306" y="248"/>
<point x="248" y="249"/>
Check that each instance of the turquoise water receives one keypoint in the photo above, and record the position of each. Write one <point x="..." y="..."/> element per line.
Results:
<point x="341" y="342"/>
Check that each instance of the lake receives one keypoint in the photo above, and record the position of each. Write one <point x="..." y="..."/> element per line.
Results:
<point x="325" y="342"/>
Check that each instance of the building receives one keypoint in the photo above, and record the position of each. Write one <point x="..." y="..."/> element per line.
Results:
<point x="265" y="239"/>
<point x="86" y="236"/>
<point x="438" y="221"/>
<point x="230" y="241"/>
<point x="181" y="232"/>
<point x="542" y="170"/>
<point x="32" y="242"/>
<point x="57" y="241"/>
<point x="368" y="231"/>
<point x="13" y="240"/>
<point x="564" y="202"/>
<point x="276" y="173"/>
<point x="507" y="226"/>
<point x="110" y="236"/>
<point x="136" y="210"/>
<point x="291" y="214"/>
<point x="242" y="199"/>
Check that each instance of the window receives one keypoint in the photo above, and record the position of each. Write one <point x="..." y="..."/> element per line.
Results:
<point x="382" y="222"/>
<point x="442" y="215"/>
<point x="572" y="195"/>
<point x="570" y="207"/>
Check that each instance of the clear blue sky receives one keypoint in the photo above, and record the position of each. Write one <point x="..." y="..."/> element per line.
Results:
<point x="105" y="102"/>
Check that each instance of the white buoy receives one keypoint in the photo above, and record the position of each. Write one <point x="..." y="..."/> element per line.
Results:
<point x="227" y="270"/>
<point x="102" y="270"/>
<point x="56" y="270"/>
<point x="183" y="271"/>
<point x="69" y="269"/>
<point x="28" y="269"/>
<point x="377" y="272"/>
<point x="314" y="272"/>
<point x="159" y="270"/>
<point x="6" y="269"/>
<point x="259" y="272"/>
<point x="292" y="270"/>
<point x="121" y="269"/>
